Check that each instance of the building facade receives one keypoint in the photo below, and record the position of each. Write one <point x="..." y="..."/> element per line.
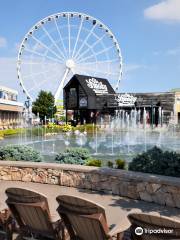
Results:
<point x="92" y="98"/>
<point x="166" y="102"/>
<point x="10" y="108"/>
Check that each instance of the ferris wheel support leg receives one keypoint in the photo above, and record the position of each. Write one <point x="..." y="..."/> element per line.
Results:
<point x="60" y="88"/>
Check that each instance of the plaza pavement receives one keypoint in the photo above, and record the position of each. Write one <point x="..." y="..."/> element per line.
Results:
<point x="116" y="207"/>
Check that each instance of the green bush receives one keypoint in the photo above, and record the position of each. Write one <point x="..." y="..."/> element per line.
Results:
<point x="157" y="161"/>
<point x="73" y="156"/>
<point x="110" y="164"/>
<point x="19" y="153"/>
<point x="120" y="163"/>
<point x="94" y="162"/>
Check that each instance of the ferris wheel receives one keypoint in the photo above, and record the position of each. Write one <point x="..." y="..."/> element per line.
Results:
<point x="64" y="44"/>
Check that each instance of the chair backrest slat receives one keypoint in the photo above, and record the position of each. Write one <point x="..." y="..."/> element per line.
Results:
<point x="30" y="210"/>
<point x="78" y="213"/>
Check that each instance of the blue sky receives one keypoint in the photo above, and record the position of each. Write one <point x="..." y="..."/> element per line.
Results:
<point x="148" y="32"/>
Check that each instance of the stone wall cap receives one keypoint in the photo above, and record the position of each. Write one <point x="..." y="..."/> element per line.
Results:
<point x="123" y="174"/>
<point x="45" y="165"/>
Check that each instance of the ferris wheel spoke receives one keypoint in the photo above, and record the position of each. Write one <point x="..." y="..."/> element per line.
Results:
<point x="42" y="55"/>
<point x="92" y="69"/>
<point x="36" y="73"/>
<point x="79" y="56"/>
<point x="52" y="40"/>
<point x="44" y="81"/>
<point x="60" y="36"/>
<point x="38" y="85"/>
<point x="101" y="62"/>
<point x="77" y="38"/>
<point x="33" y="63"/>
<point x="69" y="35"/>
<point x="58" y="92"/>
<point x="45" y="46"/>
<point x="85" y="41"/>
<point x="98" y="53"/>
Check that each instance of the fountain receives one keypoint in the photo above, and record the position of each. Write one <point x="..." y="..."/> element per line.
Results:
<point x="125" y="134"/>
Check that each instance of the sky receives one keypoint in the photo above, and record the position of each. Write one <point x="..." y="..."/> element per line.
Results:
<point x="148" y="32"/>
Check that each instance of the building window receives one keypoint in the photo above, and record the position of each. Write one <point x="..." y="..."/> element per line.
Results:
<point x="1" y="94"/>
<point x="8" y="96"/>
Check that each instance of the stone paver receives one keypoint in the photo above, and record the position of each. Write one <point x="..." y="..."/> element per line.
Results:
<point x="116" y="207"/>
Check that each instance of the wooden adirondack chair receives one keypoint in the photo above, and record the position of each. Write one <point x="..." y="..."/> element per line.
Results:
<point x="85" y="220"/>
<point x="151" y="221"/>
<point x="30" y="210"/>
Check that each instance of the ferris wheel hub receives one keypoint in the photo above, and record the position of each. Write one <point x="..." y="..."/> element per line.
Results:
<point x="70" y="63"/>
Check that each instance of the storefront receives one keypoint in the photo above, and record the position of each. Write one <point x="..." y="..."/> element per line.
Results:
<point x="10" y="108"/>
<point x="87" y="97"/>
<point x="91" y="98"/>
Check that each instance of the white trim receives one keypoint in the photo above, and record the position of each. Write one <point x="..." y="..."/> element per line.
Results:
<point x="10" y="90"/>
<point x="8" y="102"/>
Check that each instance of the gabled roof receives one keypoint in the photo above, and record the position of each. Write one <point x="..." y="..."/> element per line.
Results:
<point x="92" y="85"/>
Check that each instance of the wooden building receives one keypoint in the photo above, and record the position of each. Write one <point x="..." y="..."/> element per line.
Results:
<point x="87" y="96"/>
<point x="91" y="97"/>
<point x="10" y="108"/>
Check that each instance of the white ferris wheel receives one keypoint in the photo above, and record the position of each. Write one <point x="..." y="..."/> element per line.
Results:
<point x="64" y="44"/>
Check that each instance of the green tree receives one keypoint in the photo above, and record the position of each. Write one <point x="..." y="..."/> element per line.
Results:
<point x="44" y="105"/>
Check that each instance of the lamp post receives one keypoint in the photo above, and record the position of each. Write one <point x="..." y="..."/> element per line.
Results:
<point x="152" y="114"/>
<point x="29" y="111"/>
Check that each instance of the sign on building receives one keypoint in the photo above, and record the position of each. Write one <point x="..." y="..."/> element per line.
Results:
<point x="125" y="100"/>
<point x="97" y="86"/>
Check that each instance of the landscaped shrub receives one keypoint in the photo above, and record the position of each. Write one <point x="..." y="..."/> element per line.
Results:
<point x="9" y="132"/>
<point x="157" y="161"/>
<point x="66" y="128"/>
<point x="1" y="135"/>
<point x="73" y="156"/>
<point x="94" y="162"/>
<point x="120" y="163"/>
<point x="19" y="153"/>
<point x="51" y="125"/>
<point x="89" y="128"/>
<point x="110" y="164"/>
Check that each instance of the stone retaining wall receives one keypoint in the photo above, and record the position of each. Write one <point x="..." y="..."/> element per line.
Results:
<point x="151" y="188"/>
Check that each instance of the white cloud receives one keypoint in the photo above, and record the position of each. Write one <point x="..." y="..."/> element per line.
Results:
<point x="132" y="67"/>
<point x="173" y="52"/>
<point x="168" y="52"/>
<point x="167" y="10"/>
<point x="3" y="42"/>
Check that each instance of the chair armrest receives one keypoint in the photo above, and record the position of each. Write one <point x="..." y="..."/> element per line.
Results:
<point x="115" y="230"/>
<point x="119" y="228"/>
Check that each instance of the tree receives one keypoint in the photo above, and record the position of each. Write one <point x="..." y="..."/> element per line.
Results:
<point x="44" y="105"/>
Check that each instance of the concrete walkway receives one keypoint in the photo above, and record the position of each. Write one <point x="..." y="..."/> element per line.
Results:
<point x="116" y="207"/>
